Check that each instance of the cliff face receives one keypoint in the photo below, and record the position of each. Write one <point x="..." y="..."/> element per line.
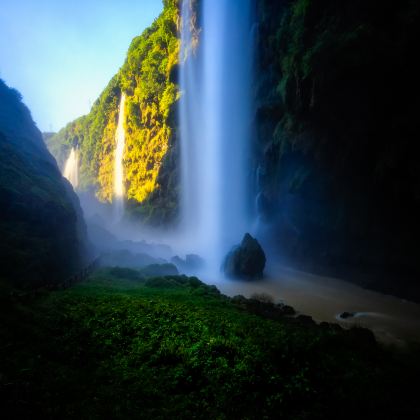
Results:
<point x="337" y="121"/>
<point x="43" y="236"/>
<point x="148" y="78"/>
<point x="336" y="96"/>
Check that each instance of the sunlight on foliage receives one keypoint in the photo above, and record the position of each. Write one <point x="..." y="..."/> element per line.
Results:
<point x="145" y="77"/>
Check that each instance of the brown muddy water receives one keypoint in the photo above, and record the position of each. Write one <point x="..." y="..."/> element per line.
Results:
<point x="392" y="320"/>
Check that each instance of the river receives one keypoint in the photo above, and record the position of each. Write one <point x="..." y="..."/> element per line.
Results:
<point x="393" y="320"/>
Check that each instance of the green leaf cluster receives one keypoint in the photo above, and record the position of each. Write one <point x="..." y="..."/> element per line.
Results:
<point x="125" y="346"/>
<point x="151" y="94"/>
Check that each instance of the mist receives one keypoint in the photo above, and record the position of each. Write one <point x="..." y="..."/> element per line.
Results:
<point x="228" y="229"/>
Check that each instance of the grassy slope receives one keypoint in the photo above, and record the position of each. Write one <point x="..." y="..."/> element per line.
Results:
<point x="119" y="347"/>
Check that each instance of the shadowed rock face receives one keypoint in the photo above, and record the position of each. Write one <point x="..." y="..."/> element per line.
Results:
<point x="246" y="260"/>
<point x="43" y="235"/>
<point x="337" y="114"/>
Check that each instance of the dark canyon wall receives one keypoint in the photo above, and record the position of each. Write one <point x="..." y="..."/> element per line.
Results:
<point x="337" y="119"/>
<point x="42" y="232"/>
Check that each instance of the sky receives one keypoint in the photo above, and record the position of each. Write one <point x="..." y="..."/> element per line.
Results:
<point x="60" y="54"/>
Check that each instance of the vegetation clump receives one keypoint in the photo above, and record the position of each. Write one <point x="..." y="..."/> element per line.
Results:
<point x="117" y="346"/>
<point x="150" y="174"/>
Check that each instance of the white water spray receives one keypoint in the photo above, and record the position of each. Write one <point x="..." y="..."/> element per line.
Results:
<point x="71" y="168"/>
<point x="118" y="166"/>
<point x="215" y="119"/>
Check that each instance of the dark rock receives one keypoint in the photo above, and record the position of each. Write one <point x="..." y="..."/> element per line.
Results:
<point x="305" y="320"/>
<point x="263" y="298"/>
<point x="346" y="315"/>
<point x="330" y="326"/>
<point x="43" y="234"/>
<point x="246" y="260"/>
<point x="285" y="309"/>
<point x="356" y="228"/>
<point x="363" y="336"/>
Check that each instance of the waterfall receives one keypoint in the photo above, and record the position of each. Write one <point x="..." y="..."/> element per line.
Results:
<point x="215" y="126"/>
<point x="118" y="165"/>
<point x="71" y="168"/>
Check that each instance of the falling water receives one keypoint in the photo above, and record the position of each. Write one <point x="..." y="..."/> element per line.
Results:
<point x="118" y="168"/>
<point x="215" y="126"/>
<point x="71" y="168"/>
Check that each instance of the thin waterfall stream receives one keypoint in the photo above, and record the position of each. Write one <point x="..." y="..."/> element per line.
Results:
<point x="71" y="168"/>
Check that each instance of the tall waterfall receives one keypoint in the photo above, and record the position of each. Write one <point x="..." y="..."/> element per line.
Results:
<point x="71" y="168"/>
<point x="215" y="119"/>
<point x="118" y="166"/>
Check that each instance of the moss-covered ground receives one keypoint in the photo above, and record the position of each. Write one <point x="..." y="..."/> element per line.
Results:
<point x="122" y="346"/>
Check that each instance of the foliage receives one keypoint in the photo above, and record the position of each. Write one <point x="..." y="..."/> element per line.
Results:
<point x="335" y="130"/>
<point x="42" y="233"/>
<point x="120" y="346"/>
<point x="151" y="94"/>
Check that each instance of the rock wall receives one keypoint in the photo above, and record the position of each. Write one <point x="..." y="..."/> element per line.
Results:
<point x="148" y="77"/>
<point x="337" y="122"/>
<point x="42" y="233"/>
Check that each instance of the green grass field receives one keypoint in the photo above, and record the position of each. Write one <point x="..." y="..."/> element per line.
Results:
<point x="122" y="346"/>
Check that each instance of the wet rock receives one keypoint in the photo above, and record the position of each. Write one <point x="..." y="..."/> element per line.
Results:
<point x="346" y="315"/>
<point x="246" y="260"/>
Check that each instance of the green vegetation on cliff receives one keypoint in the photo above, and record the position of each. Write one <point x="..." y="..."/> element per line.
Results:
<point x="122" y="346"/>
<point x="337" y="94"/>
<point x="148" y="78"/>
<point x="42" y="232"/>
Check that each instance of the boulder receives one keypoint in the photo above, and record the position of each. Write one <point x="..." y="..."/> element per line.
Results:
<point x="346" y="315"/>
<point x="246" y="260"/>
